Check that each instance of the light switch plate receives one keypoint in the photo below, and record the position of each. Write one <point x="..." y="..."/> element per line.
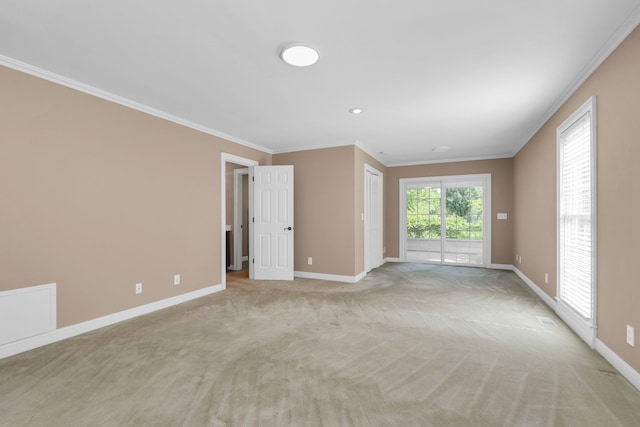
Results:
<point x="502" y="215"/>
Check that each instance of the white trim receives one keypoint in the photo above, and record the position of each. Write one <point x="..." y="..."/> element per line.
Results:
<point x="508" y="267"/>
<point x="311" y="147"/>
<point x="464" y="159"/>
<point x="80" y="328"/>
<point x="99" y="93"/>
<point x="390" y="259"/>
<point x="364" y="148"/>
<point x="238" y="175"/>
<point x="565" y="314"/>
<point x="550" y="301"/>
<point x="329" y="277"/>
<point x="357" y="143"/>
<point x="231" y="158"/>
<point x="625" y="369"/>
<point x="368" y="169"/>
<point x="585" y="328"/>
<point x="616" y="39"/>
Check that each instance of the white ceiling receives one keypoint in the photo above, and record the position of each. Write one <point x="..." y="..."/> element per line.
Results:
<point x="479" y="76"/>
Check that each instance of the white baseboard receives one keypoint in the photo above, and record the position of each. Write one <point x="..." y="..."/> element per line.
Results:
<point x="244" y="258"/>
<point x="551" y="302"/>
<point x="329" y="277"/>
<point x="392" y="259"/>
<point x="625" y="369"/>
<point x="60" y="334"/>
<point x="508" y="267"/>
<point x="585" y="331"/>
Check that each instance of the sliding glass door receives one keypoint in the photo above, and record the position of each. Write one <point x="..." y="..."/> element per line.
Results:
<point x="443" y="220"/>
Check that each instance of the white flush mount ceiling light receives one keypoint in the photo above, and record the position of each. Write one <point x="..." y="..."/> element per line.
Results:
<point x="299" y="55"/>
<point x="356" y="110"/>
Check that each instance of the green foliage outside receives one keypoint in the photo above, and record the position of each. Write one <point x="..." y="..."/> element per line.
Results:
<point x="464" y="213"/>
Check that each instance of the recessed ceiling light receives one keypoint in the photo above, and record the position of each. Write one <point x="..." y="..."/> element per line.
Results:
<point x="299" y="55"/>
<point x="441" y="149"/>
<point x="356" y="110"/>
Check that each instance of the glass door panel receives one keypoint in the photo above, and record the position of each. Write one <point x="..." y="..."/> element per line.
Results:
<point x="464" y="229"/>
<point x="424" y="222"/>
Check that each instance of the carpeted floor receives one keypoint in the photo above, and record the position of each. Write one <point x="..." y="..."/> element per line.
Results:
<point x="409" y="345"/>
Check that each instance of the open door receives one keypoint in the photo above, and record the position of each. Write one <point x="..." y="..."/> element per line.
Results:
<point x="271" y="223"/>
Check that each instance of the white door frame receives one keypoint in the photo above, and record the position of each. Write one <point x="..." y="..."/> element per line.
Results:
<point x="238" y="226"/>
<point x="368" y="238"/>
<point x="224" y="159"/>
<point x="487" y="215"/>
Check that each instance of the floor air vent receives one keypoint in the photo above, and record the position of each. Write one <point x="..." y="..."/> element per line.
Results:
<point x="546" y="321"/>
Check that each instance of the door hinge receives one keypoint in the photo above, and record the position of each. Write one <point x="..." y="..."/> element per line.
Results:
<point x="253" y="260"/>
<point x="253" y="178"/>
<point x="253" y="219"/>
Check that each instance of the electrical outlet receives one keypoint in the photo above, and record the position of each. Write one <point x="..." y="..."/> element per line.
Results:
<point x="176" y="279"/>
<point x="138" y="288"/>
<point x="631" y="338"/>
<point x="310" y="261"/>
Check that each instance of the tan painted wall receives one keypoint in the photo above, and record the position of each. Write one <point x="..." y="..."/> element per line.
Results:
<point x="96" y="197"/>
<point x="323" y="209"/>
<point x="616" y="84"/>
<point x="501" y="171"/>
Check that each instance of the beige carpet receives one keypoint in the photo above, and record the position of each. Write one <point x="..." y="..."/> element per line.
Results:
<point x="410" y="345"/>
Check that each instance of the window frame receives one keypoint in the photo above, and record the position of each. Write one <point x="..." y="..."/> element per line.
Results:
<point x="585" y="328"/>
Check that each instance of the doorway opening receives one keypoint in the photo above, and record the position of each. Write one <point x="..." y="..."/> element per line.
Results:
<point x="227" y="216"/>
<point x="240" y="227"/>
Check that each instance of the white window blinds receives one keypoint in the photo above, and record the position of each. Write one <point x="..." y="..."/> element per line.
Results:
<point x="575" y="219"/>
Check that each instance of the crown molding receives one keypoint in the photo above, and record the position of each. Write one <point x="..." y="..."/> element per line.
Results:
<point x="366" y="149"/>
<point x="616" y="39"/>
<point x="357" y="143"/>
<point x="464" y="159"/>
<point x="108" y="96"/>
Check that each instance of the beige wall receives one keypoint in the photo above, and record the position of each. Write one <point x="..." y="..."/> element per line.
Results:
<point x="501" y="171"/>
<point x="323" y="209"/>
<point x="616" y="84"/>
<point x="97" y="197"/>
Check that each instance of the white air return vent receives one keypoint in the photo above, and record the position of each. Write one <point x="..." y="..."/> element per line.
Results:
<point x="27" y="312"/>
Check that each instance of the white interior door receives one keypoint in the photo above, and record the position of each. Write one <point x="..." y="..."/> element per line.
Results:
<point x="373" y="219"/>
<point x="271" y="254"/>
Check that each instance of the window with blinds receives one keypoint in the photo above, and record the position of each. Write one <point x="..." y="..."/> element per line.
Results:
<point x="576" y="225"/>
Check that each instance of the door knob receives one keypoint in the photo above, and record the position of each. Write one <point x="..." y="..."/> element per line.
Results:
<point x="287" y="228"/>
